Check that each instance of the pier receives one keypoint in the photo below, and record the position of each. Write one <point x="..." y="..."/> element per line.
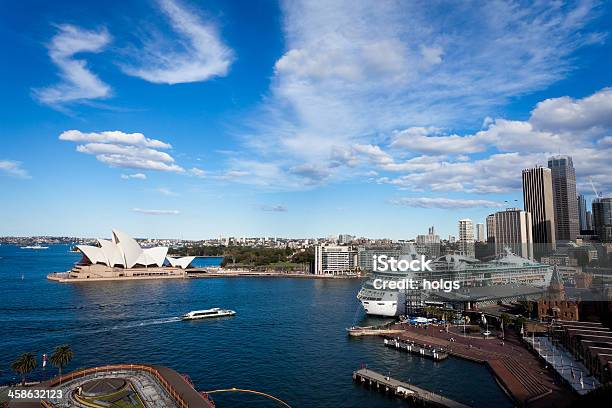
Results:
<point x="519" y="373"/>
<point x="411" y="347"/>
<point x="402" y="389"/>
<point x="371" y="331"/>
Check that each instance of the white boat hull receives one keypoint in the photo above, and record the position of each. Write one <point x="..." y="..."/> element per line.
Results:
<point x="208" y="316"/>
<point x="380" y="308"/>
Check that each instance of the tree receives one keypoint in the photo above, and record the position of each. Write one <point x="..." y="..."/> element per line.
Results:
<point x="24" y="365"/>
<point x="505" y="319"/>
<point x="61" y="357"/>
<point x="519" y="322"/>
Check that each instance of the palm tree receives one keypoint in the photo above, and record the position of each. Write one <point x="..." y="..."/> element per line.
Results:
<point x="24" y="365"/>
<point x="505" y="319"/>
<point x="61" y="357"/>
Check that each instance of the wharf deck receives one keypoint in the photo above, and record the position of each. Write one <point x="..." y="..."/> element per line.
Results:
<point x="413" y="348"/>
<point x="402" y="389"/>
<point x="517" y="370"/>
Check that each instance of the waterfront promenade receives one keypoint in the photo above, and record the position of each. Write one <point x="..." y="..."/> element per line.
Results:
<point x="198" y="273"/>
<point x="565" y="364"/>
<point x="517" y="370"/>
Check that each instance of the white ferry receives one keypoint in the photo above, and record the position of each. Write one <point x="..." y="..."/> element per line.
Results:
<point x="207" y="314"/>
<point x="37" y="246"/>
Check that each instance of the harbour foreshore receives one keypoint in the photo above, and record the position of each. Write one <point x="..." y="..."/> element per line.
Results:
<point x="519" y="373"/>
<point x="198" y="273"/>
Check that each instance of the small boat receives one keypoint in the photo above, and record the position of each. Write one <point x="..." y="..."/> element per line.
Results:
<point x="37" y="246"/>
<point x="207" y="314"/>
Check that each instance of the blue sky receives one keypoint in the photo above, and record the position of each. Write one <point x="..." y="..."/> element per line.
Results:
<point x="193" y="119"/>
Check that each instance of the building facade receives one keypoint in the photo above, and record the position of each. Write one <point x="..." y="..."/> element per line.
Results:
<point x="567" y="224"/>
<point x="602" y="218"/>
<point x="466" y="237"/>
<point x="335" y="260"/>
<point x="491" y="228"/>
<point x="513" y="231"/>
<point x="582" y="213"/>
<point x="344" y="239"/>
<point x="480" y="232"/>
<point x="366" y="256"/>
<point x="538" y="200"/>
<point x="428" y="245"/>
<point x="554" y="305"/>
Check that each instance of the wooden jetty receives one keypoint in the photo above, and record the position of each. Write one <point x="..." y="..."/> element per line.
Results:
<point x="357" y="331"/>
<point x="411" y="347"/>
<point x="401" y="389"/>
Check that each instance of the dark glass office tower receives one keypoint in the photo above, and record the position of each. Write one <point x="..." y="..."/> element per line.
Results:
<point x="582" y="213"/>
<point x="602" y="218"/>
<point x="564" y="197"/>
<point x="538" y="200"/>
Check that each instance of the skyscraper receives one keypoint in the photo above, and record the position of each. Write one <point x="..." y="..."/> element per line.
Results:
<point x="466" y="237"/>
<point x="491" y="228"/>
<point x="480" y="232"/>
<point x="582" y="213"/>
<point x="564" y="197"/>
<point x="589" y="220"/>
<point x="538" y="200"/>
<point x="513" y="231"/>
<point x="602" y="218"/>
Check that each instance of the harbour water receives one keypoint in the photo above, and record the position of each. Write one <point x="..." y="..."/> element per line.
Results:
<point x="287" y="339"/>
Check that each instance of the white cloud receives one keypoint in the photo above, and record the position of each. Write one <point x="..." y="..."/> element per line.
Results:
<point x="197" y="55"/>
<point x="374" y="153"/>
<point x="353" y="74"/>
<point x="113" y="136"/>
<point x="155" y="212"/>
<point x="578" y="127"/>
<point x="78" y="83"/>
<point x="13" y="168"/>
<point x="128" y="150"/>
<point x="166" y="191"/>
<point x="497" y="173"/>
<point x="445" y="203"/>
<point x="569" y="114"/>
<point x="198" y="172"/>
<point x="417" y="141"/>
<point x="139" y="176"/>
<point x="432" y="55"/>
<point x="311" y="173"/>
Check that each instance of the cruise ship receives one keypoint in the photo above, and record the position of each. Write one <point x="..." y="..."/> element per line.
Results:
<point x="469" y="272"/>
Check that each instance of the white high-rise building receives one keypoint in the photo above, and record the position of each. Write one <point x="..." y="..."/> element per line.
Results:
<point x="466" y="237"/>
<point x="480" y="232"/>
<point x="513" y="232"/>
<point x="335" y="260"/>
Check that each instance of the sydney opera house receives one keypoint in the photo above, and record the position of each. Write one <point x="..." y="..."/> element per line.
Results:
<point x="123" y="257"/>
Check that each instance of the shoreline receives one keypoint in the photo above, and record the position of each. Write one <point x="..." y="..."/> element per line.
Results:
<point x="63" y="277"/>
<point x="515" y="369"/>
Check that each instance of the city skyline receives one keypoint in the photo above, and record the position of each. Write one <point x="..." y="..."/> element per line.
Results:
<point x="301" y="122"/>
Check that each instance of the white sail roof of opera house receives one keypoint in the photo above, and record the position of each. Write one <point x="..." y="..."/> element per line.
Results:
<point x="181" y="262"/>
<point x="125" y="252"/>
